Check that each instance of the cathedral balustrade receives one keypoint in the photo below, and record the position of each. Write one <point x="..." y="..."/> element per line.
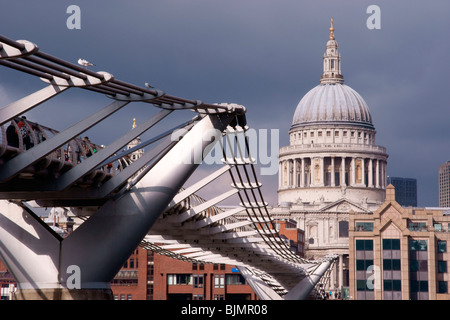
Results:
<point x="332" y="147"/>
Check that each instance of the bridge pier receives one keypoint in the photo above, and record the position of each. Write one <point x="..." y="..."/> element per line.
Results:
<point x="41" y="261"/>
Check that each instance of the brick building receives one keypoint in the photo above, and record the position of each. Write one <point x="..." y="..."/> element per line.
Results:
<point x="7" y="283"/>
<point x="151" y="276"/>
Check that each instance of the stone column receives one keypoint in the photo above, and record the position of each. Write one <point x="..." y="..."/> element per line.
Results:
<point x="289" y="172"/>
<point x="343" y="172"/>
<point x="363" y="171"/>
<point x="370" y="174"/>
<point x="377" y="174"/>
<point x="322" y="171"/>
<point x="295" y="182"/>
<point x="280" y="174"/>
<point x="353" y="172"/>
<point x="341" y="270"/>
<point x="302" y="177"/>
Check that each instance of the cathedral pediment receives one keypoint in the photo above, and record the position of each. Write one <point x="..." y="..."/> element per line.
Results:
<point x="343" y="205"/>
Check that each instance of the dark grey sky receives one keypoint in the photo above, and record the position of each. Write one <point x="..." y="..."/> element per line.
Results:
<point x="262" y="54"/>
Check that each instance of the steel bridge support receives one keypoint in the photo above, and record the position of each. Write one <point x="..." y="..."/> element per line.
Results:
<point x="82" y="265"/>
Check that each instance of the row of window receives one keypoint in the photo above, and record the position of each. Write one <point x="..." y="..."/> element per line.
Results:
<point x="197" y="280"/>
<point x="394" y="244"/>
<point x="336" y="134"/>
<point x="418" y="266"/>
<point x="412" y="226"/>
<point x="396" y="285"/>
<point x="123" y="297"/>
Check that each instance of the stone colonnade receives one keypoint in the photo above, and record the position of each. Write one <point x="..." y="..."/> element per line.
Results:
<point x="332" y="171"/>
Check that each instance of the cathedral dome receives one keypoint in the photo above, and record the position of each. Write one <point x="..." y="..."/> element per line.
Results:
<point x="332" y="102"/>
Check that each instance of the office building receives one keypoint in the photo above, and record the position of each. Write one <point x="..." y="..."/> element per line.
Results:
<point x="444" y="185"/>
<point x="399" y="253"/>
<point x="405" y="190"/>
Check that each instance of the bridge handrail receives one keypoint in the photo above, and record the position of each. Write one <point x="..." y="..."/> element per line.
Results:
<point x="26" y="57"/>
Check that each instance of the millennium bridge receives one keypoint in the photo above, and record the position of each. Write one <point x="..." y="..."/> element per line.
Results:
<point x="125" y="202"/>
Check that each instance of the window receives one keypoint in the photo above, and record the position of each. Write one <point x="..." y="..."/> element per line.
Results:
<point x="442" y="287"/>
<point x="219" y="281"/>
<point x="419" y="286"/>
<point x="179" y="279"/>
<point x="392" y="285"/>
<point x="417" y="226"/>
<point x="198" y="281"/>
<point x="364" y="245"/>
<point x="364" y="226"/>
<point x="235" y="279"/>
<point x="418" y="245"/>
<point x="363" y="285"/>
<point x="442" y="266"/>
<point x="391" y="264"/>
<point x="442" y="246"/>
<point x="391" y="244"/>
<point x="363" y="265"/>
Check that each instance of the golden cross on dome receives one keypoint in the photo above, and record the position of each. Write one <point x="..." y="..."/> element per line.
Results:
<point x="331" y="30"/>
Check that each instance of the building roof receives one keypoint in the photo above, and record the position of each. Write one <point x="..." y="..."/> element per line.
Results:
<point x="335" y="103"/>
<point x="332" y="101"/>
